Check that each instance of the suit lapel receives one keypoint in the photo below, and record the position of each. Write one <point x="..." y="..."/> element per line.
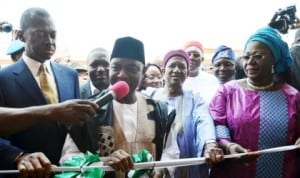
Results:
<point x="86" y="90"/>
<point x="27" y="82"/>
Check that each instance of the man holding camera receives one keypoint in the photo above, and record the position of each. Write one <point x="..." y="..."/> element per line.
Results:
<point x="285" y="19"/>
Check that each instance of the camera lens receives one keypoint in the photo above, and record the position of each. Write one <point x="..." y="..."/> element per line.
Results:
<point x="6" y="27"/>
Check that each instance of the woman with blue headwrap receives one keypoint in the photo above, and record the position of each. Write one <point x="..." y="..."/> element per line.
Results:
<point x="258" y="112"/>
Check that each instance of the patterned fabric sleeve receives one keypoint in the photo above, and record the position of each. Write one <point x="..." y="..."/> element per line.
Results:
<point x="217" y="109"/>
<point x="222" y="132"/>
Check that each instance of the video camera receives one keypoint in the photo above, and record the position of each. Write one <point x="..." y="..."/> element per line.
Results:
<point x="5" y="27"/>
<point x="284" y="19"/>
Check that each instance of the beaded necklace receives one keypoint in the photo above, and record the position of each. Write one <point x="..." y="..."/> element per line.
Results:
<point x="259" y="87"/>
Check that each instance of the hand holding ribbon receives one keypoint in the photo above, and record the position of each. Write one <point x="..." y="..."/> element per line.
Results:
<point x="77" y="161"/>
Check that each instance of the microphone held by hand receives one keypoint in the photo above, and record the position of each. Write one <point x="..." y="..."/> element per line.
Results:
<point x="117" y="91"/>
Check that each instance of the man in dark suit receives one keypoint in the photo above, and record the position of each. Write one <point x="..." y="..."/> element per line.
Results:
<point x="98" y="69"/>
<point x="21" y="86"/>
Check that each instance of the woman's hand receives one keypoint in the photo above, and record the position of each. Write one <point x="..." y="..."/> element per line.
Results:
<point x="298" y="142"/>
<point x="234" y="148"/>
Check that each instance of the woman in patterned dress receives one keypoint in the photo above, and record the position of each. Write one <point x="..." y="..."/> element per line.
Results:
<point x="258" y="112"/>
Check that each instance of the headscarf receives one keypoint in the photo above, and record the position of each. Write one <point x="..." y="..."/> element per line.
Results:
<point x="280" y="50"/>
<point x="178" y="52"/>
<point x="223" y="52"/>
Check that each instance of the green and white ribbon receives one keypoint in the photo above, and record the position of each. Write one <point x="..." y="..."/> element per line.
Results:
<point x="142" y="156"/>
<point x="78" y="161"/>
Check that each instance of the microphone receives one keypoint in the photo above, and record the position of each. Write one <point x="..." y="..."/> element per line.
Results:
<point x="117" y="91"/>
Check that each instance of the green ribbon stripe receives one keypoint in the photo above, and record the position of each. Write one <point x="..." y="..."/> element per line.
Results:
<point x="77" y="161"/>
<point x="142" y="156"/>
<point x="89" y="158"/>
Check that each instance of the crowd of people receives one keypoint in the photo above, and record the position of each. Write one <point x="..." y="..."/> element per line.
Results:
<point x="174" y="109"/>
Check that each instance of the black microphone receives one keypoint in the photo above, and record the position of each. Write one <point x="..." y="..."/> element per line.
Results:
<point x="117" y="91"/>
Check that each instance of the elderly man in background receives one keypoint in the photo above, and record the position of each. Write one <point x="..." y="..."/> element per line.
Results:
<point x="198" y="80"/>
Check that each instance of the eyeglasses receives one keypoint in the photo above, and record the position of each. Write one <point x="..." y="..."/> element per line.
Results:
<point x="194" y="54"/>
<point x="256" y="57"/>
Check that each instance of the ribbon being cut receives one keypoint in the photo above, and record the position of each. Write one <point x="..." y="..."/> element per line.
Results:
<point x="89" y="159"/>
<point x="77" y="161"/>
<point x="90" y="166"/>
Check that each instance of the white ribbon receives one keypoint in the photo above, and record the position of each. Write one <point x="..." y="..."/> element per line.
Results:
<point x="162" y="164"/>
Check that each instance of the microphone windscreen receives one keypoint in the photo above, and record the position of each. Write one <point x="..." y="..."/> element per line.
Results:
<point x="121" y="89"/>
